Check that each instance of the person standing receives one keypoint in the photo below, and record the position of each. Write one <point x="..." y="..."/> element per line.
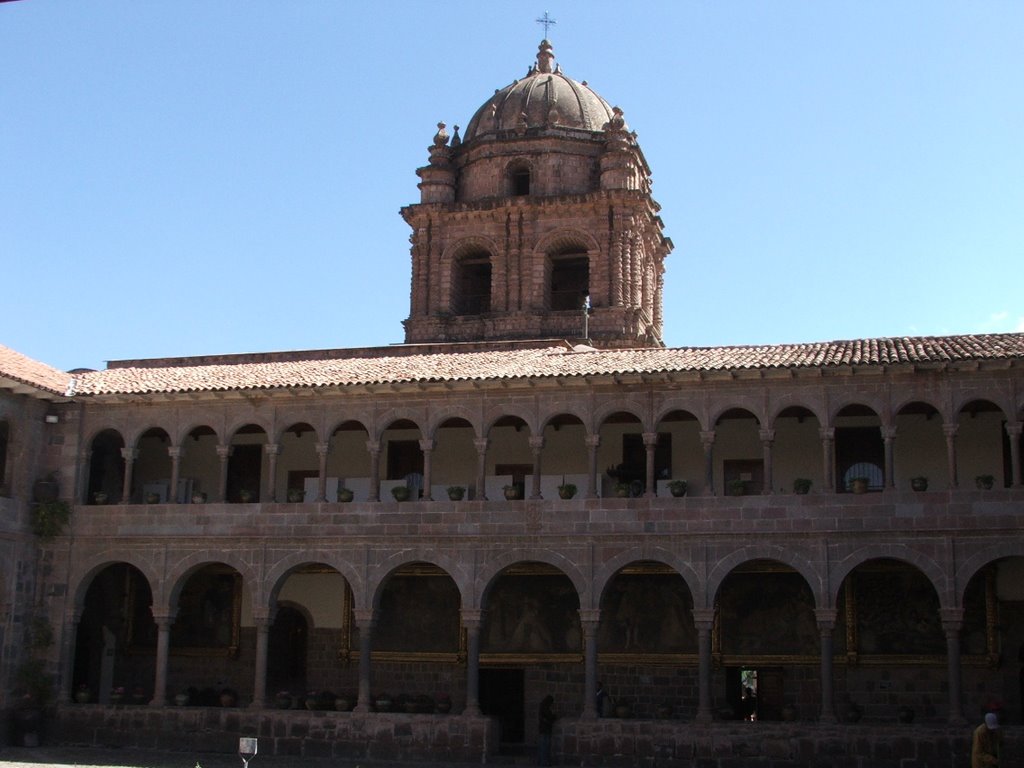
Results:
<point x="602" y="696"/>
<point x="985" y="743"/>
<point x="545" y="725"/>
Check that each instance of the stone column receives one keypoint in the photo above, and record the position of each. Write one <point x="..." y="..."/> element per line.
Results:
<point x="472" y="620"/>
<point x="259" y="684"/>
<point x="828" y="460"/>
<point x="272" y="450"/>
<point x="1014" y="429"/>
<point x="323" y="450"/>
<point x="536" y="446"/>
<point x="163" y="652"/>
<point x="82" y="476"/>
<point x="767" y="439"/>
<point x="589" y="620"/>
<point x="826" y="618"/>
<point x="223" y="454"/>
<point x="365" y="622"/>
<point x="373" y="447"/>
<point x="481" y="444"/>
<point x="707" y="441"/>
<point x="427" y="446"/>
<point x="174" y="451"/>
<point x="129" y="455"/>
<point x="704" y="620"/>
<point x="650" y="444"/>
<point x="888" y="439"/>
<point x="592" y="442"/>
<point x="952" y="623"/>
<point x="67" y="651"/>
<point x="949" y="430"/>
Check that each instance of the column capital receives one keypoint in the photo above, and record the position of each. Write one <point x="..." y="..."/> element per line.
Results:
<point x="224" y="451"/>
<point x="952" y="618"/>
<point x="364" y="617"/>
<point x="272" y="449"/>
<point x="827" y="433"/>
<point x="472" y="617"/>
<point x="650" y="438"/>
<point x="428" y="444"/>
<point x="536" y="442"/>
<point x="129" y="454"/>
<point x="163" y="620"/>
<point x="590" y="615"/>
<point x="707" y="437"/>
<point x="592" y="441"/>
<point x="322" y="449"/>
<point x="888" y="432"/>
<point x="950" y="430"/>
<point x="766" y="435"/>
<point x="826" y="617"/>
<point x="373" y="446"/>
<point x="703" y="618"/>
<point x="1014" y="428"/>
<point x="174" y="451"/>
<point x="481" y="444"/>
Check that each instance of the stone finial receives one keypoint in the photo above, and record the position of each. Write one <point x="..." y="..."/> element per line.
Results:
<point x="456" y="141"/>
<point x="617" y="122"/>
<point x="441" y="137"/>
<point x="544" y="57"/>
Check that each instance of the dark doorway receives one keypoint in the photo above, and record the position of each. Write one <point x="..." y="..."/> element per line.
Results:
<point x="502" y="696"/>
<point x="405" y="457"/>
<point x="286" y="657"/>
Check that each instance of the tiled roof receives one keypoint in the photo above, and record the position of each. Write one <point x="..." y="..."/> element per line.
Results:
<point x="24" y="370"/>
<point x="545" y="363"/>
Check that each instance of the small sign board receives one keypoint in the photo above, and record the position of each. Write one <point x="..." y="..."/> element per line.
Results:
<point x="246" y="749"/>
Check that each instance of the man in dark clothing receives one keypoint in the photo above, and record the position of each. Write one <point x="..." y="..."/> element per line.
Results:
<point x="545" y="725"/>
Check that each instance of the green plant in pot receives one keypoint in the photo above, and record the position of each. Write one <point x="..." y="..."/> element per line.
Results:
<point x="400" y="492"/>
<point x="677" y="488"/>
<point x="296" y="495"/>
<point x="513" y="491"/>
<point x="456" y="492"/>
<point x="858" y="485"/>
<point x="984" y="482"/>
<point x="345" y="494"/>
<point x="736" y="487"/>
<point x="919" y="483"/>
<point x="566" y="490"/>
<point x="801" y="485"/>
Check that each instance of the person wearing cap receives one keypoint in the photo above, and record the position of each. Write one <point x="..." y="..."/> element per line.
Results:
<point x="986" y="742"/>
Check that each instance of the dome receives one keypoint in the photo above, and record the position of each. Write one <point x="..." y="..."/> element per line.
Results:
<point x="544" y="99"/>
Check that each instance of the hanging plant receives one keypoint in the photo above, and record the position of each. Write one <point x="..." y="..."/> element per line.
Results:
<point x="49" y="518"/>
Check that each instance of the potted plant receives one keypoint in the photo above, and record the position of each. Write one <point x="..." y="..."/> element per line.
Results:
<point x="382" y="702"/>
<point x="343" y="703"/>
<point x="736" y="487"/>
<point x="345" y="494"/>
<point x="443" y="703"/>
<point x="858" y="485"/>
<point x="245" y="495"/>
<point x="100" y="497"/>
<point x="513" y="492"/>
<point x="117" y="694"/>
<point x="677" y="488"/>
<point x="801" y="486"/>
<point x="622" y="490"/>
<point x="919" y="483"/>
<point x="984" y="482"/>
<point x="198" y="498"/>
<point x="400" y="492"/>
<point x="181" y="698"/>
<point x="83" y="694"/>
<point x="456" y="492"/>
<point x="227" y="697"/>
<point x="283" y="699"/>
<point x="566" y="490"/>
<point x="296" y="495"/>
<point x="152" y="498"/>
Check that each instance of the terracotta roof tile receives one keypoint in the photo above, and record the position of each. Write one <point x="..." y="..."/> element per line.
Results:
<point x="545" y="362"/>
<point x="17" y="367"/>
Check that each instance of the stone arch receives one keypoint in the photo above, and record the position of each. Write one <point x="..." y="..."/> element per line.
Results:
<point x="682" y="405"/>
<point x="607" y="570"/>
<point x="395" y="415"/>
<point x="913" y="398"/>
<point x="437" y="419"/>
<point x="970" y="567"/>
<point x="468" y="286"/>
<point x="785" y="404"/>
<point x="798" y="562"/>
<point x="248" y="421"/>
<point x="514" y="411"/>
<point x="486" y="577"/>
<point x="280" y="570"/>
<point x="171" y="586"/>
<point x="637" y="409"/>
<point x="737" y="407"/>
<point x="133" y="438"/>
<point x="378" y="575"/>
<point x="1000" y="402"/>
<point x="519" y="177"/>
<point x="85" y="571"/>
<point x="295" y="424"/>
<point x="565" y="262"/>
<point x="186" y="431"/>
<point x="941" y="581"/>
<point x="873" y="403"/>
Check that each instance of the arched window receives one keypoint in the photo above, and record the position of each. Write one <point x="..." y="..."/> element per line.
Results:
<point x="570" y="280"/>
<point x="472" y="284"/>
<point x="519" y="179"/>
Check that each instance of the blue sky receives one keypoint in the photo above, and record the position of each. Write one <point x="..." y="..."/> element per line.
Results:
<point x="207" y="177"/>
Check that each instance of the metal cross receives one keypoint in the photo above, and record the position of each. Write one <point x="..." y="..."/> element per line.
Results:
<point x="547" y="21"/>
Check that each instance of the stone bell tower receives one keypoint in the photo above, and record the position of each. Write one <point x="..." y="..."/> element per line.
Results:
<point x="537" y="223"/>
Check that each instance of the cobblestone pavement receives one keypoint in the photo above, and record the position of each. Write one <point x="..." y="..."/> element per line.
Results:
<point x="69" y="757"/>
